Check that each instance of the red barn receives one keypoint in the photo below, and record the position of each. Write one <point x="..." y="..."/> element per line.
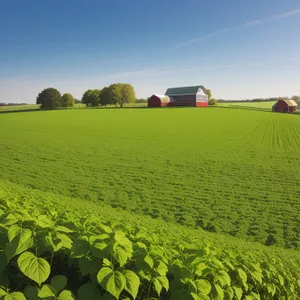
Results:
<point x="285" y="106"/>
<point x="158" y="101"/>
<point x="188" y="96"/>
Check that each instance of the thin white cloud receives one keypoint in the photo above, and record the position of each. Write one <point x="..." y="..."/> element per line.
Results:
<point x="247" y="24"/>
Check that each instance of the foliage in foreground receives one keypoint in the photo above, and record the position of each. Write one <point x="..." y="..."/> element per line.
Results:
<point x="50" y="252"/>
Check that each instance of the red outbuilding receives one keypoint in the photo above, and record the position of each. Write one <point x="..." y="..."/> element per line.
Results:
<point x="158" y="101"/>
<point x="285" y="106"/>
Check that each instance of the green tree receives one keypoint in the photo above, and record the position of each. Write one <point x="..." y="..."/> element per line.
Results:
<point x="49" y="98"/>
<point x="122" y="93"/>
<point x="67" y="100"/>
<point x="208" y="93"/>
<point x="91" y="97"/>
<point x="212" y="101"/>
<point x="106" y="96"/>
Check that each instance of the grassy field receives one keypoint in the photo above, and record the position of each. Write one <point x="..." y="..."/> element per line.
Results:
<point x="267" y="104"/>
<point x="149" y="204"/>
<point x="226" y="171"/>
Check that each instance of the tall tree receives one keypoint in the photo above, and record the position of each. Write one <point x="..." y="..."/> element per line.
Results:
<point x="106" y="96"/>
<point x="49" y="98"/>
<point x="67" y="100"/>
<point x="208" y="93"/>
<point x="91" y="97"/>
<point x="122" y="93"/>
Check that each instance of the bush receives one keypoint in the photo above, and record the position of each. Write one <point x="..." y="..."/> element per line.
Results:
<point x="212" y="101"/>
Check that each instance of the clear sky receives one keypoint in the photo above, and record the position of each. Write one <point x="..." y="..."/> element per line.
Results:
<point x="237" y="48"/>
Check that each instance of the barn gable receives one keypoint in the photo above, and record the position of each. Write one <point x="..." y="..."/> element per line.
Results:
<point x="189" y="90"/>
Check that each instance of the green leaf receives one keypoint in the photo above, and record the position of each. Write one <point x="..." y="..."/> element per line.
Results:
<point x="2" y="292"/>
<point x="257" y="276"/>
<point x="31" y="292"/>
<point x="63" y="229"/>
<point x="157" y="286"/>
<point x="99" y="249"/>
<point x="85" y="266"/>
<point x="203" y="286"/>
<point x="238" y="292"/>
<point x="164" y="282"/>
<point x="89" y="291"/>
<point x="59" y="282"/>
<point x="10" y="220"/>
<point x="132" y="283"/>
<point x="19" y="244"/>
<point x="161" y="269"/>
<point x="120" y="256"/>
<point x="65" y="240"/>
<point x="66" y="295"/>
<point x="44" y="222"/>
<point x="149" y="261"/>
<point x="37" y="269"/>
<point x="13" y="231"/>
<point x="243" y="276"/>
<point x="47" y="291"/>
<point x="218" y="292"/>
<point x="112" y="281"/>
<point x="80" y="247"/>
<point x="199" y="268"/>
<point x="223" y="278"/>
<point x="271" y="288"/>
<point x="15" y="296"/>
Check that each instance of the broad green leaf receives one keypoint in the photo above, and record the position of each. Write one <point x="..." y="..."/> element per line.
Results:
<point x="65" y="240"/>
<point x="44" y="222"/>
<point x="242" y="275"/>
<point x="161" y="269"/>
<point x="120" y="256"/>
<point x="89" y="291"/>
<point x="238" y="292"/>
<point x="149" y="261"/>
<point x="63" y="229"/>
<point x="47" y="291"/>
<point x="123" y="241"/>
<point x="15" y="296"/>
<point x="66" y="295"/>
<point x="19" y="244"/>
<point x="99" y="249"/>
<point x="223" y="278"/>
<point x="199" y="268"/>
<point x="141" y="245"/>
<point x="37" y="269"/>
<point x="85" y="266"/>
<point x="132" y="283"/>
<point x="257" y="276"/>
<point x="105" y="228"/>
<point x="112" y="281"/>
<point x="164" y="282"/>
<point x="13" y="231"/>
<point x="31" y="292"/>
<point x="271" y="288"/>
<point x="2" y="292"/>
<point x="10" y="220"/>
<point x="218" y="292"/>
<point x="59" y="282"/>
<point x="203" y="286"/>
<point x="80" y="247"/>
<point x="157" y="286"/>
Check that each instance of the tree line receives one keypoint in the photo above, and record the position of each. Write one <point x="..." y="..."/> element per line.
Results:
<point x="115" y="94"/>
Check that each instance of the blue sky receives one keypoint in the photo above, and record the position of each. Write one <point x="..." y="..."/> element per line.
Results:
<point x="238" y="49"/>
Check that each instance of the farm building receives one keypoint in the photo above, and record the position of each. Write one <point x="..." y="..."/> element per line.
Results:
<point x="181" y="96"/>
<point x="285" y="106"/>
<point x="158" y="101"/>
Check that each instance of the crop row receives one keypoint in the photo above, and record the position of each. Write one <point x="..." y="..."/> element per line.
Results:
<point x="50" y="252"/>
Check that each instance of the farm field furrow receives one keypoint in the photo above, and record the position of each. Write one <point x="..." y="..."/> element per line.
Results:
<point x="225" y="170"/>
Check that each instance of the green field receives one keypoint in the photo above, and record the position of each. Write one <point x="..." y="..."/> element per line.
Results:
<point x="267" y="104"/>
<point x="234" y="173"/>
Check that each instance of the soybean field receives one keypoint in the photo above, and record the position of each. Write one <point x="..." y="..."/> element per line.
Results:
<point x="227" y="171"/>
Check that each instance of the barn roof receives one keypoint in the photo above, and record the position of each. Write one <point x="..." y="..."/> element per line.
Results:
<point x="187" y="90"/>
<point x="288" y="102"/>
<point x="163" y="98"/>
